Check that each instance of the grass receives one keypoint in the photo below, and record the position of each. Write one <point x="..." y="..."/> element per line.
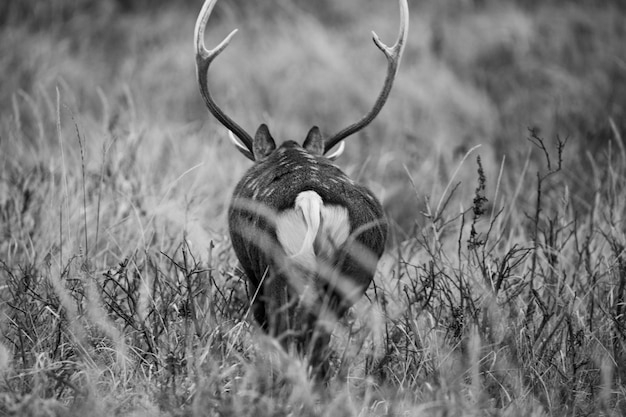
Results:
<point x="502" y="291"/>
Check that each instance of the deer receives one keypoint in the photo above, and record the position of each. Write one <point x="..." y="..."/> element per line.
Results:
<point x="307" y="237"/>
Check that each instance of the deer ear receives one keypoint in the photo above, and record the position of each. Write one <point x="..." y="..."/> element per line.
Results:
<point x="263" y="143"/>
<point x="314" y="142"/>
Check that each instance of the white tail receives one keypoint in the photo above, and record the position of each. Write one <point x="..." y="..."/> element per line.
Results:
<point x="310" y="231"/>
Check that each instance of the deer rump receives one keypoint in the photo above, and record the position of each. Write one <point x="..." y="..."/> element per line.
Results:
<point x="308" y="240"/>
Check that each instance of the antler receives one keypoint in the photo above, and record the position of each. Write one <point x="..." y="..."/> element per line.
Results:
<point x="393" y="55"/>
<point x="204" y="57"/>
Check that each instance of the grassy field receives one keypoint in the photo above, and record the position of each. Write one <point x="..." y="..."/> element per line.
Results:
<point x="499" y="157"/>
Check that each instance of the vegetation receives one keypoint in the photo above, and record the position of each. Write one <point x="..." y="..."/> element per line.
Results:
<point x="502" y="292"/>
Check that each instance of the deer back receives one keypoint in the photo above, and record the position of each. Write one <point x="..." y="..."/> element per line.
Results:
<point x="271" y="187"/>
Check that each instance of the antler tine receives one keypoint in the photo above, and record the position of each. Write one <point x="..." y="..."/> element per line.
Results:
<point x="204" y="57"/>
<point x="393" y="55"/>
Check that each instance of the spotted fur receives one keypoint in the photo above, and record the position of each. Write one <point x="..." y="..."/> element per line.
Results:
<point x="308" y="238"/>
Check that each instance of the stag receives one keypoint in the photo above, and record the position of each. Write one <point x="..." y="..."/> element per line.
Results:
<point x="308" y="237"/>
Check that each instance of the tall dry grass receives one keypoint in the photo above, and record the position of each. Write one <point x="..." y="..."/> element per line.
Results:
<point x="502" y="292"/>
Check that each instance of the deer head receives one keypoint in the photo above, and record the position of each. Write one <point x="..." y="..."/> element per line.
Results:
<point x="308" y="237"/>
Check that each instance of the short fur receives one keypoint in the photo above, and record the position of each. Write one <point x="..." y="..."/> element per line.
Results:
<point x="300" y="225"/>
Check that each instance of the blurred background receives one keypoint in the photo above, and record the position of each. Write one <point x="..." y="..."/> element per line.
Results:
<point x="474" y="73"/>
